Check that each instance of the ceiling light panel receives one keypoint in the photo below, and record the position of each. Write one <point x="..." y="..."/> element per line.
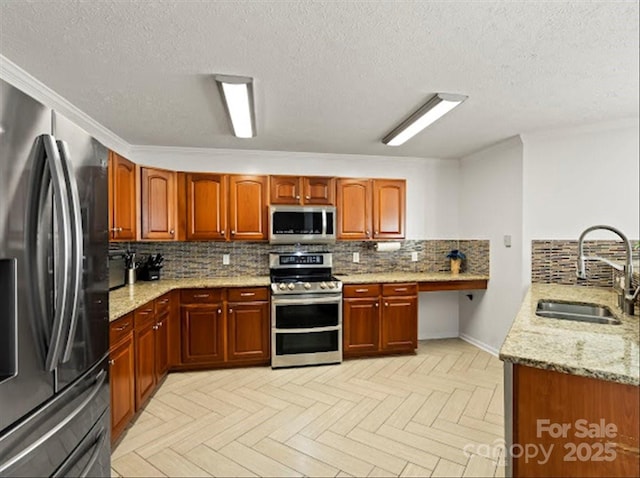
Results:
<point x="237" y="95"/>
<point x="437" y="106"/>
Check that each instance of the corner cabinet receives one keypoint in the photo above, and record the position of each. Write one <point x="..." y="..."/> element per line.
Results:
<point x="302" y="190"/>
<point x="122" y="198"/>
<point x="202" y="319"/>
<point x="158" y="203"/>
<point x="248" y="207"/>
<point x="380" y="319"/>
<point x="371" y="209"/>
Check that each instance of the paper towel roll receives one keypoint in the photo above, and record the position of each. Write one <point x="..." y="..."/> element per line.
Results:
<point x="387" y="246"/>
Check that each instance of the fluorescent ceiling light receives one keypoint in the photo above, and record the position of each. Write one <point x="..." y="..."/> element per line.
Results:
<point x="438" y="106"/>
<point x="237" y="93"/>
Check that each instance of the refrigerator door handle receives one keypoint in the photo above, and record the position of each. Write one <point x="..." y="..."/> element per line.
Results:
<point x="75" y="229"/>
<point x="97" y="449"/>
<point x="100" y="378"/>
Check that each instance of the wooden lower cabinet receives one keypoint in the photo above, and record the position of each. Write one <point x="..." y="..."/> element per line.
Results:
<point x="202" y="334"/>
<point x="121" y="375"/>
<point x="587" y="427"/>
<point x="379" y="319"/>
<point x="162" y="346"/>
<point x="248" y="331"/>
<point x="361" y="326"/>
<point x="145" y="346"/>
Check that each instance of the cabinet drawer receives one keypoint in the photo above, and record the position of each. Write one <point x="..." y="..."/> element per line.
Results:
<point x="200" y="296"/>
<point x="399" y="289"/>
<point x="144" y="315"/>
<point x="361" y="290"/>
<point x="247" y="294"/>
<point x="120" y="328"/>
<point x="162" y="304"/>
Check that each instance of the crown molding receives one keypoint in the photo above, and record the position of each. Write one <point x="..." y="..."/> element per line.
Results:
<point x="16" y="76"/>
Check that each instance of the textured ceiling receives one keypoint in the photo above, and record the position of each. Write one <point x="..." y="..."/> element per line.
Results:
<point x="332" y="76"/>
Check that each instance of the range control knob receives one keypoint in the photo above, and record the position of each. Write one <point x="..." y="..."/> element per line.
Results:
<point x="282" y="286"/>
<point x="307" y="285"/>
<point x="323" y="285"/>
<point x="291" y="286"/>
<point x="332" y="285"/>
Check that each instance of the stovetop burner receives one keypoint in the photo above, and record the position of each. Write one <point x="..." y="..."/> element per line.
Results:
<point x="302" y="273"/>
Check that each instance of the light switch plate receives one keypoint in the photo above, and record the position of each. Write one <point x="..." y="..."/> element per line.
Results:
<point x="226" y="259"/>
<point x="356" y="257"/>
<point x="507" y="240"/>
<point x="414" y="256"/>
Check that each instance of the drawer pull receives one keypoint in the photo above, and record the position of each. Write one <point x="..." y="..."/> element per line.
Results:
<point x="360" y="291"/>
<point x="201" y="296"/>
<point x="247" y="294"/>
<point x="386" y="304"/>
<point x="401" y="289"/>
<point x="164" y="301"/>
<point x="219" y="311"/>
<point x="122" y="327"/>
<point x="376" y="304"/>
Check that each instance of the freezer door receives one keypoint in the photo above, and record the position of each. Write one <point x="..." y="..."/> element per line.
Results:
<point x="87" y="334"/>
<point x="24" y="381"/>
<point x="49" y="440"/>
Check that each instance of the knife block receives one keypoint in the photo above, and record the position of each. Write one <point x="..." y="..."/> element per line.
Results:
<point x="148" y="273"/>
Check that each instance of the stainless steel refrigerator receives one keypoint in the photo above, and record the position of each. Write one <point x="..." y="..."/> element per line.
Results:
<point x="54" y="303"/>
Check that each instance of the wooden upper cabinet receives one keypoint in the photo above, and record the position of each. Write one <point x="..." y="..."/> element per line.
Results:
<point x="158" y="204"/>
<point x="206" y="206"/>
<point x="388" y="208"/>
<point x="302" y="190"/>
<point x="122" y="198"/>
<point x="354" y="209"/>
<point x="248" y="199"/>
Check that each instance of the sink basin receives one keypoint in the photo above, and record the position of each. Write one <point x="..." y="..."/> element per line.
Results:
<point x="593" y="313"/>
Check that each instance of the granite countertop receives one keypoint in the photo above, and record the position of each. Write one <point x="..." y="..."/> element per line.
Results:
<point x="605" y="352"/>
<point x="128" y="298"/>
<point x="387" y="277"/>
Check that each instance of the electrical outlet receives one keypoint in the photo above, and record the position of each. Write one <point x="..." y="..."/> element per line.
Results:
<point x="507" y="240"/>
<point x="414" y="257"/>
<point x="356" y="257"/>
<point x="226" y="259"/>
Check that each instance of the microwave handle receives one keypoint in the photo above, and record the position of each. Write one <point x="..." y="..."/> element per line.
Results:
<point x="324" y="222"/>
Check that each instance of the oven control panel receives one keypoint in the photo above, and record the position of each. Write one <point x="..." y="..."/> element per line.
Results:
<point x="301" y="287"/>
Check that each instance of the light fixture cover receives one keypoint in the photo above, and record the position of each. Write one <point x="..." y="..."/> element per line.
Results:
<point x="437" y="106"/>
<point x="237" y="95"/>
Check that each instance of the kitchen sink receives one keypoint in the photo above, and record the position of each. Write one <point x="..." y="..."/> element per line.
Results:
<point x="593" y="313"/>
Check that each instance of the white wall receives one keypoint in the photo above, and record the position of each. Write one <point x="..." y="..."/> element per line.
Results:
<point x="576" y="178"/>
<point x="432" y="197"/>
<point x="491" y="207"/>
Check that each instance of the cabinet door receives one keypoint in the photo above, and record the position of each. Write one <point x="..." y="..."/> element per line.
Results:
<point x="122" y="383"/>
<point x="162" y="342"/>
<point x="202" y="334"/>
<point x="388" y="208"/>
<point x="399" y="323"/>
<point x="122" y="198"/>
<point x="158" y="206"/>
<point x="284" y="190"/>
<point x="173" y="326"/>
<point x="248" y="207"/>
<point x="319" y="190"/>
<point x="248" y="331"/>
<point x="145" y="363"/>
<point x="206" y="206"/>
<point x="354" y="209"/>
<point x="361" y="326"/>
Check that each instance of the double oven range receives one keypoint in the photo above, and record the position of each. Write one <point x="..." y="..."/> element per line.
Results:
<point x="306" y="310"/>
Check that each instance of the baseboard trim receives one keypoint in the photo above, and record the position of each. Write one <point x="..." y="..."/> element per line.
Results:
<point x="444" y="335"/>
<point x="479" y="344"/>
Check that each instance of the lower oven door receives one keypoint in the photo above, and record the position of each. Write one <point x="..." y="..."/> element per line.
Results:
<point x="306" y="330"/>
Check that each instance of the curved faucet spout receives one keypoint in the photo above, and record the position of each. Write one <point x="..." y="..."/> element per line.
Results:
<point x="626" y="302"/>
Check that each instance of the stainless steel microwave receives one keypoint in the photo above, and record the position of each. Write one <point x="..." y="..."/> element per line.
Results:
<point x="302" y="224"/>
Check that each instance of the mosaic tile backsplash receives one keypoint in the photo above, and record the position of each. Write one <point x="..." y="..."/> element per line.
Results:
<point x="554" y="262"/>
<point x="204" y="259"/>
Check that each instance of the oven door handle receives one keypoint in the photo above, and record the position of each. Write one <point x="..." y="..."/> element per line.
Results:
<point x="330" y="328"/>
<point x="307" y="301"/>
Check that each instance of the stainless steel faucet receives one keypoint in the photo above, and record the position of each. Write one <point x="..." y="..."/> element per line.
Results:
<point x="627" y="295"/>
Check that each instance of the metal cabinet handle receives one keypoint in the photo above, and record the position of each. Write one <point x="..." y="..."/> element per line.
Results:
<point x="231" y="311"/>
<point x="247" y="294"/>
<point x="386" y="304"/>
<point x="219" y="311"/>
<point x="155" y="327"/>
<point x="233" y="232"/>
<point x="400" y="289"/>
<point x="201" y="296"/>
<point x="112" y="362"/>
<point x="297" y="197"/>
<point x="222" y="232"/>
<point x="121" y="328"/>
<point x="367" y="233"/>
<point x="307" y="197"/>
<point x="376" y="304"/>
<point x="376" y="232"/>
<point x="116" y="229"/>
<point x="172" y="232"/>
<point x="360" y="291"/>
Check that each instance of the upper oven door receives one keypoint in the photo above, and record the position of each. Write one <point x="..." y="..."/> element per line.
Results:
<point x="306" y="312"/>
<point x="302" y="224"/>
